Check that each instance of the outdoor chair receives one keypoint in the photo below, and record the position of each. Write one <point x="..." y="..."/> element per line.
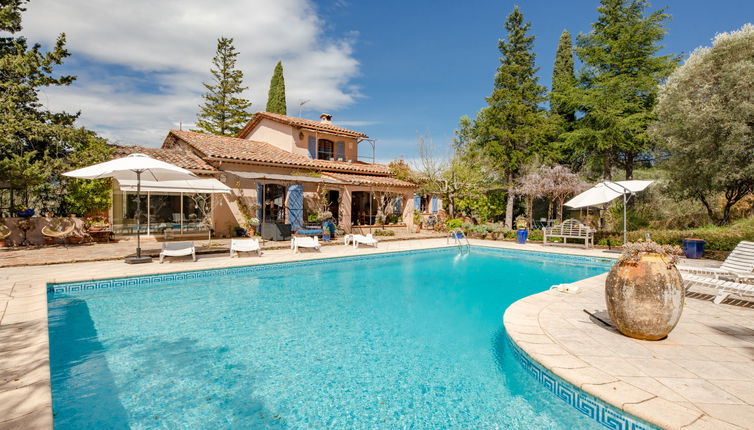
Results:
<point x="64" y="231"/>
<point x="739" y="266"/>
<point x="304" y="242"/>
<point x="244" y="245"/>
<point x="724" y="288"/>
<point x="357" y="239"/>
<point x="177" y="249"/>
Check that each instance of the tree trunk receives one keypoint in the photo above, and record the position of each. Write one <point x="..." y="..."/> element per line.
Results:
<point x="607" y="168"/>
<point x="710" y="210"/>
<point x="561" y="200"/>
<point x="629" y="167"/>
<point x="549" y="209"/>
<point x="509" y="204"/>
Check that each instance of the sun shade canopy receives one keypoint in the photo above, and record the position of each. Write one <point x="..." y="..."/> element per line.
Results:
<point x="605" y="192"/>
<point x="206" y="186"/>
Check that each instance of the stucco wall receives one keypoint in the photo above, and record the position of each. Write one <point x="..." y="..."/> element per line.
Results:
<point x="295" y="140"/>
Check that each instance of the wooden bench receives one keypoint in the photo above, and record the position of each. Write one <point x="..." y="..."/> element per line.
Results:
<point x="570" y="229"/>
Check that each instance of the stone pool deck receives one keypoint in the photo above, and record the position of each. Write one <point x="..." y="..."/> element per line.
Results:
<point x="25" y="394"/>
<point x="700" y="377"/>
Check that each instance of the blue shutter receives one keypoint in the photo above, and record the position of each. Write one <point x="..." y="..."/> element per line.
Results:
<point x="312" y="147"/>
<point x="296" y="206"/>
<point x="434" y="205"/>
<point x="340" y="150"/>
<point x="260" y="201"/>
<point x="417" y="203"/>
<point x="398" y="205"/>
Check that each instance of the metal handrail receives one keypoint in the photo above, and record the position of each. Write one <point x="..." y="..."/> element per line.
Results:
<point x="453" y="233"/>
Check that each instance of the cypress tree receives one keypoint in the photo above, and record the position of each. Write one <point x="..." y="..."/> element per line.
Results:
<point x="513" y="125"/>
<point x="276" y="96"/>
<point x="563" y="79"/>
<point x="223" y="111"/>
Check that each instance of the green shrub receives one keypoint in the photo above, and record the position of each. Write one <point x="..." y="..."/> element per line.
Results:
<point x="453" y="224"/>
<point x="381" y="232"/>
<point x="535" y="235"/>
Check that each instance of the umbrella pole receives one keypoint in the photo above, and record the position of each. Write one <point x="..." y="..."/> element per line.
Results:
<point x="138" y="258"/>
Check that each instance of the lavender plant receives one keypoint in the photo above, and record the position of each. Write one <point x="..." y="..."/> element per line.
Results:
<point x="633" y="251"/>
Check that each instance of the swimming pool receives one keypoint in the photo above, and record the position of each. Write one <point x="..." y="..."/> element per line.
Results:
<point x="404" y="340"/>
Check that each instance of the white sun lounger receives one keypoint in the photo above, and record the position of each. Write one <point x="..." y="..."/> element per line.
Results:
<point x="360" y="238"/>
<point x="304" y="242"/>
<point x="739" y="266"/>
<point x="177" y="249"/>
<point x="724" y="288"/>
<point x="244" y="245"/>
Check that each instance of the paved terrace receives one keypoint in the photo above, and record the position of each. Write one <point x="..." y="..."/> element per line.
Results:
<point x="25" y="395"/>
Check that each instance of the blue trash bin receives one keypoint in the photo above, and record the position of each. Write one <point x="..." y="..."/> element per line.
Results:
<point x="693" y="248"/>
<point x="521" y="235"/>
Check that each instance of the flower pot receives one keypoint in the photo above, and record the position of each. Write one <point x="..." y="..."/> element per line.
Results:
<point x="240" y="233"/>
<point x="49" y="240"/>
<point x="521" y="235"/>
<point x="644" y="298"/>
<point x="75" y="239"/>
<point x="28" y="213"/>
<point x="326" y="237"/>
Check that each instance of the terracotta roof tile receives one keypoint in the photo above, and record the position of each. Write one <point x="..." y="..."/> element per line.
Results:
<point x="370" y="180"/>
<point x="176" y="156"/>
<point x="233" y="148"/>
<point x="298" y="122"/>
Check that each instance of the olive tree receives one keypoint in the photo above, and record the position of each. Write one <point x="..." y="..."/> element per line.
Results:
<point x="705" y="124"/>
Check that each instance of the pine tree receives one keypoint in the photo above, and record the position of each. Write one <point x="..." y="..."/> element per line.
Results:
<point x="563" y="79"/>
<point x="276" y="96"/>
<point x="513" y="125"/>
<point x="36" y="144"/>
<point x="618" y="84"/>
<point x="223" y="111"/>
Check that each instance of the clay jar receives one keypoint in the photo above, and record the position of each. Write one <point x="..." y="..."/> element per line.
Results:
<point x="645" y="297"/>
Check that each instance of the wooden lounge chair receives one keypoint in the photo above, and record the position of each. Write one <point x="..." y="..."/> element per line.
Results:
<point x="570" y="229"/>
<point x="177" y="249"/>
<point x="4" y="232"/>
<point x="724" y="288"/>
<point x="304" y="242"/>
<point x="739" y="266"/>
<point x="244" y="245"/>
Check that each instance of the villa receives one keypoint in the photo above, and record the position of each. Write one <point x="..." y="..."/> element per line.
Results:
<point x="291" y="164"/>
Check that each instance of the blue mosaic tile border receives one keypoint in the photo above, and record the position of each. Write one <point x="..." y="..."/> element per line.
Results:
<point x="57" y="289"/>
<point x="594" y="408"/>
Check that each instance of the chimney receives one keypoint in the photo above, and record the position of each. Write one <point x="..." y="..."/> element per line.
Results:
<point x="325" y="118"/>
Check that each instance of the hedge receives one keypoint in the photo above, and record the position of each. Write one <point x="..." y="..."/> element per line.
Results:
<point x="716" y="239"/>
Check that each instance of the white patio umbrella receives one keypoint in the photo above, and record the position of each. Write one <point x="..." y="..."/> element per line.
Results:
<point x="607" y="191"/>
<point x="132" y="167"/>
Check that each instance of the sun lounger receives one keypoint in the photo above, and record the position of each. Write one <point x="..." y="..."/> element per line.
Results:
<point x="177" y="249"/>
<point x="304" y="242"/>
<point x="244" y="245"/>
<point x="739" y="266"/>
<point x="724" y="288"/>
<point x="360" y="238"/>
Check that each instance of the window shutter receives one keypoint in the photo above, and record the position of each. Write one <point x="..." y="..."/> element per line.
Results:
<point x="312" y="147"/>
<point x="434" y="205"/>
<point x="398" y="205"/>
<point x="417" y="203"/>
<point x="340" y="150"/>
<point x="296" y="206"/>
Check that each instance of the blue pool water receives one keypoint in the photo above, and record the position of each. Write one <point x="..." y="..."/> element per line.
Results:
<point x="410" y="340"/>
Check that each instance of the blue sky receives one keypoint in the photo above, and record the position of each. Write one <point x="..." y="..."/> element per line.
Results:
<point x="392" y="69"/>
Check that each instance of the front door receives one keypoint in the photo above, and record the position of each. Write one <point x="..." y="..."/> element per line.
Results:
<point x="333" y="198"/>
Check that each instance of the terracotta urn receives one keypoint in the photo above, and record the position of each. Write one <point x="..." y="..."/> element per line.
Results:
<point x="645" y="297"/>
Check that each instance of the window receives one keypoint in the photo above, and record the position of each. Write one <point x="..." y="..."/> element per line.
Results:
<point x="325" y="149"/>
<point x="274" y="203"/>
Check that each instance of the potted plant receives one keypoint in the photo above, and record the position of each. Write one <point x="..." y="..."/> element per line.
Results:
<point x="417" y="221"/>
<point x="240" y="231"/>
<point x="252" y="224"/>
<point x="644" y="291"/>
<point x="23" y="211"/>
<point x="454" y="224"/>
<point x="522" y="233"/>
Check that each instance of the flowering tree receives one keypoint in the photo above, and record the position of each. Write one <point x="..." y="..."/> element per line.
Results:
<point x="559" y="183"/>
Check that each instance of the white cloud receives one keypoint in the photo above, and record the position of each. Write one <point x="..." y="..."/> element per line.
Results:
<point x="167" y="45"/>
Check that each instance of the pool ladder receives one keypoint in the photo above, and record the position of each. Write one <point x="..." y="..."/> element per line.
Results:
<point x="454" y="234"/>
